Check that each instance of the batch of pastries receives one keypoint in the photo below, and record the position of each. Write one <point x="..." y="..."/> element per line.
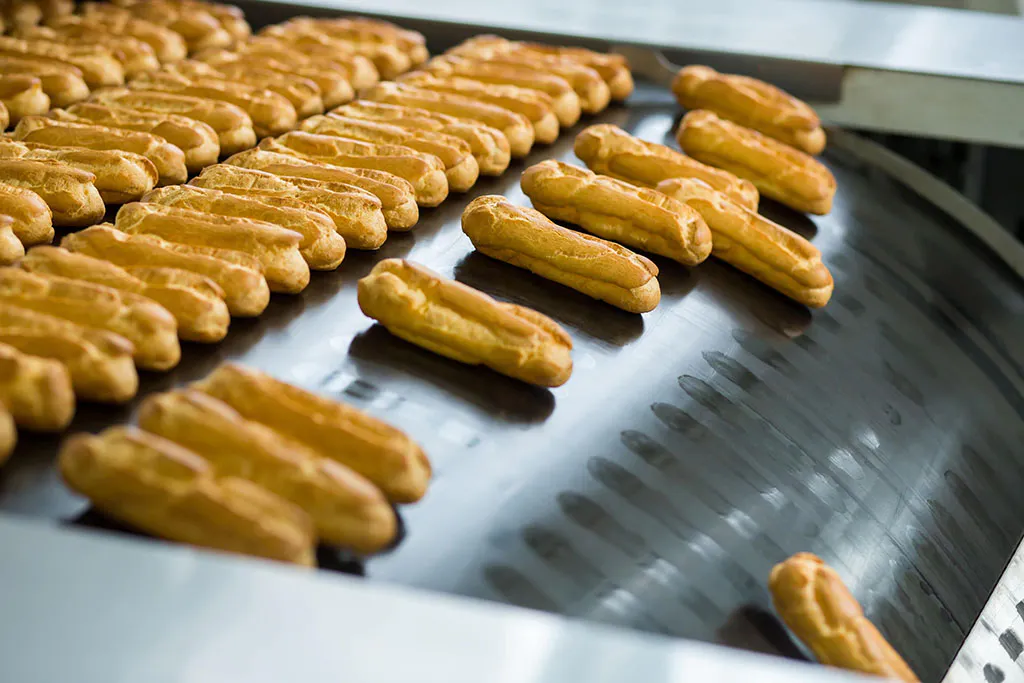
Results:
<point x="241" y="162"/>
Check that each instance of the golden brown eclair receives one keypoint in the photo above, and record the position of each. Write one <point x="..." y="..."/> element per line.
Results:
<point x="565" y="103"/>
<point x="165" y="490"/>
<point x="37" y="391"/>
<point x="614" y="69"/>
<point x="489" y="145"/>
<point x="33" y="220"/>
<point x="61" y="82"/>
<point x="526" y="238"/>
<point x="8" y="434"/>
<point x="778" y="171"/>
<point x="335" y="88"/>
<point x="390" y="61"/>
<point x="5" y="117"/>
<point x="120" y="176"/>
<point x="751" y="103"/>
<point x="167" y="45"/>
<point x="23" y="95"/>
<point x="198" y="27"/>
<point x="98" y="66"/>
<point x="356" y="213"/>
<point x="195" y="301"/>
<point x="611" y="151"/>
<point x="396" y="195"/>
<point x="245" y="289"/>
<point x="384" y="455"/>
<point x="100" y="362"/>
<point x="461" y="168"/>
<point x="276" y="249"/>
<point x="302" y="93"/>
<point x="346" y="509"/>
<point x="425" y="172"/>
<point x="750" y="242"/>
<point x="637" y="217"/>
<point x="11" y="248"/>
<point x="461" y="323"/>
<point x="168" y="159"/>
<point x="197" y="140"/>
<point x="359" y="70"/>
<point x="817" y="606"/>
<point x="321" y="246"/>
<point x="230" y="18"/>
<point x="535" y="105"/>
<point x="150" y="328"/>
<point x="517" y="128"/>
<point x="270" y="112"/>
<point x="136" y="57"/>
<point x="361" y="30"/>
<point x="70" y="193"/>
<point x="232" y="125"/>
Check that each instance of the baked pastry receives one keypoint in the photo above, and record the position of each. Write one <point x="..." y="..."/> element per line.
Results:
<point x="35" y="391"/>
<point x="526" y="238"/>
<point x="335" y="88"/>
<point x="614" y="69"/>
<point x="615" y="210"/>
<point x="535" y="105"/>
<point x="230" y="18"/>
<point x="488" y="145"/>
<point x="321" y="246"/>
<point x="22" y="95"/>
<point x="777" y="170"/>
<point x="239" y="275"/>
<point x="359" y="70"/>
<point x="168" y="159"/>
<point x="70" y="193"/>
<point x="120" y="176"/>
<point x="337" y="431"/>
<point x="32" y="221"/>
<point x="815" y="604"/>
<point x="461" y="323"/>
<point x="195" y="301"/>
<point x="135" y="56"/>
<point x="751" y="103"/>
<point x="461" y="168"/>
<point x="388" y="59"/>
<point x="198" y="27"/>
<point x="61" y="82"/>
<point x="5" y="117"/>
<point x="165" y="490"/>
<point x="425" y="172"/>
<point x="302" y="93"/>
<point x="98" y="66"/>
<point x="361" y="32"/>
<point x="517" y="128"/>
<point x="611" y="151"/>
<point x="167" y="45"/>
<point x="346" y="509"/>
<point x="197" y="140"/>
<point x="356" y="214"/>
<point x="99" y="362"/>
<point x="11" y="248"/>
<point x="8" y="435"/>
<point x="765" y="250"/>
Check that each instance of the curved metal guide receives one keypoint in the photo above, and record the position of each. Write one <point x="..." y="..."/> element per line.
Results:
<point x="694" y="446"/>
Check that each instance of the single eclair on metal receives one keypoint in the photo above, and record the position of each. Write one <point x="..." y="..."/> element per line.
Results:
<point x="461" y="323"/>
<point x="618" y="211"/>
<point x="776" y="256"/>
<point x="526" y="238"/>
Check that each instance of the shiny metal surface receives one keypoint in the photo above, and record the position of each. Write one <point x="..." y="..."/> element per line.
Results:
<point x="696" y="445"/>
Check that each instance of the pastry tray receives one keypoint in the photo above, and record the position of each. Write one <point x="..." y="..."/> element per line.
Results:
<point x="694" y="446"/>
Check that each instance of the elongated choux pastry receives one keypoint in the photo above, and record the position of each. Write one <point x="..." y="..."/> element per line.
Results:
<point x="751" y="103"/>
<point x="637" y="217"/>
<point x="818" y="607"/>
<point x="535" y="105"/>
<point x="356" y="213"/>
<point x="425" y="172"/>
<point x="346" y="509"/>
<point x="195" y="301"/>
<point x="23" y="95"/>
<point x="8" y="434"/>
<point x="5" y="117"/>
<point x="461" y="168"/>
<point x="302" y="93"/>
<point x="461" y="323"/>
<point x="613" y="68"/>
<point x="168" y="491"/>
<point x="61" y="82"/>
<point x="321" y="245"/>
<point x="389" y="60"/>
<point x="99" y="362"/>
<point x="335" y="87"/>
<point x="396" y="195"/>
<point x="32" y="219"/>
<point x="11" y="248"/>
<point x="384" y="455"/>
<point x="765" y="250"/>
<point x="489" y="145"/>
<point x="611" y="151"/>
<point x="276" y="248"/>
<point x="136" y="57"/>
<point x="70" y="193"/>
<point x="245" y="289"/>
<point x="98" y="66"/>
<point x="359" y="30"/>
<point x="36" y="391"/>
<point x="198" y="27"/>
<point x="167" y="45"/>
<point x="526" y="238"/>
<point x="777" y="170"/>
<point x="168" y="159"/>
<point x="359" y="70"/>
<point x="197" y="140"/>
<point x="120" y="176"/>
<point x="517" y="128"/>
